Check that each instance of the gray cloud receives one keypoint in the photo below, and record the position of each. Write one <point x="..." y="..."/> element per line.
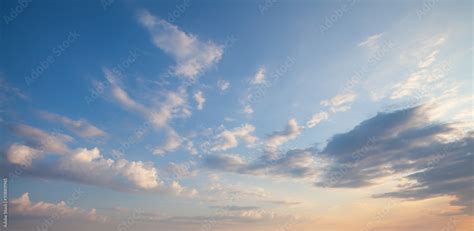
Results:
<point x="436" y="157"/>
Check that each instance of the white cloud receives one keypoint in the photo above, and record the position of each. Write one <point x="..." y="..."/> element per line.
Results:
<point x="192" y="56"/>
<point x="88" y="164"/>
<point x="259" y="77"/>
<point x="80" y="127"/>
<point x="340" y="102"/>
<point x="21" y="154"/>
<point x="200" y="100"/>
<point x="278" y="138"/>
<point x="173" y="141"/>
<point x="317" y="118"/>
<point x="223" y="85"/>
<point x="23" y="206"/>
<point x="229" y="138"/>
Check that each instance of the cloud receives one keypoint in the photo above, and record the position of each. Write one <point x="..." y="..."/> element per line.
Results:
<point x="278" y="138"/>
<point x="227" y="162"/>
<point x="23" y="206"/>
<point x="54" y="142"/>
<point x="283" y="202"/>
<point x="235" y="208"/>
<point x="199" y="97"/>
<point x="192" y="56"/>
<point x="230" y="138"/>
<point x="90" y="167"/>
<point x="173" y="105"/>
<point x="405" y="145"/>
<point x="21" y="154"/>
<point x="81" y="165"/>
<point x="297" y="163"/>
<point x="248" y="109"/>
<point x="259" y="77"/>
<point x="80" y="127"/>
<point x="9" y="92"/>
<point x="173" y="141"/>
<point x="183" y="170"/>
<point x="317" y="118"/>
<point x="372" y="42"/>
<point x="340" y="102"/>
<point x="223" y="85"/>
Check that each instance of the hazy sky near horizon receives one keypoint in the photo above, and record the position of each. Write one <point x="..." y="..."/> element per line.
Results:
<point x="237" y="115"/>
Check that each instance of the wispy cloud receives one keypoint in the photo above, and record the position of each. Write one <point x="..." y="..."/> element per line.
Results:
<point x="274" y="140"/>
<point x="340" y="102"/>
<point x="317" y="118"/>
<point x="192" y="56"/>
<point x="80" y="127"/>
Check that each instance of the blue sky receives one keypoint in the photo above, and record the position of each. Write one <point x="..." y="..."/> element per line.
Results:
<point x="253" y="115"/>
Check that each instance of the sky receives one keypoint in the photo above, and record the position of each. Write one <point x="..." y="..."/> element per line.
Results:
<point x="121" y="115"/>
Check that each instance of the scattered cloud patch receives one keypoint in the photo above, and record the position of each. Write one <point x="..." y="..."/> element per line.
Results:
<point x="200" y="100"/>
<point x="340" y="102"/>
<point x="317" y="118"/>
<point x="223" y="85"/>
<point x="259" y="77"/>
<point x="230" y="138"/>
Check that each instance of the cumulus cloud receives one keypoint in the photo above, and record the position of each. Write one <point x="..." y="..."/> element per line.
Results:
<point x="21" y="154"/>
<point x="259" y="77"/>
<point x="278" y="138"/>
<point x="192" y="56"/>
<point x="80" y="127"/>
<point x="89" y="166"/>
<point x="230" y="138"/>
<point x="200" y="100"/>
<point x="317" y="118"/>
<point x="82" y="165"/>
<point x="340" y="102"/>
<point x="23" y="206"/>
